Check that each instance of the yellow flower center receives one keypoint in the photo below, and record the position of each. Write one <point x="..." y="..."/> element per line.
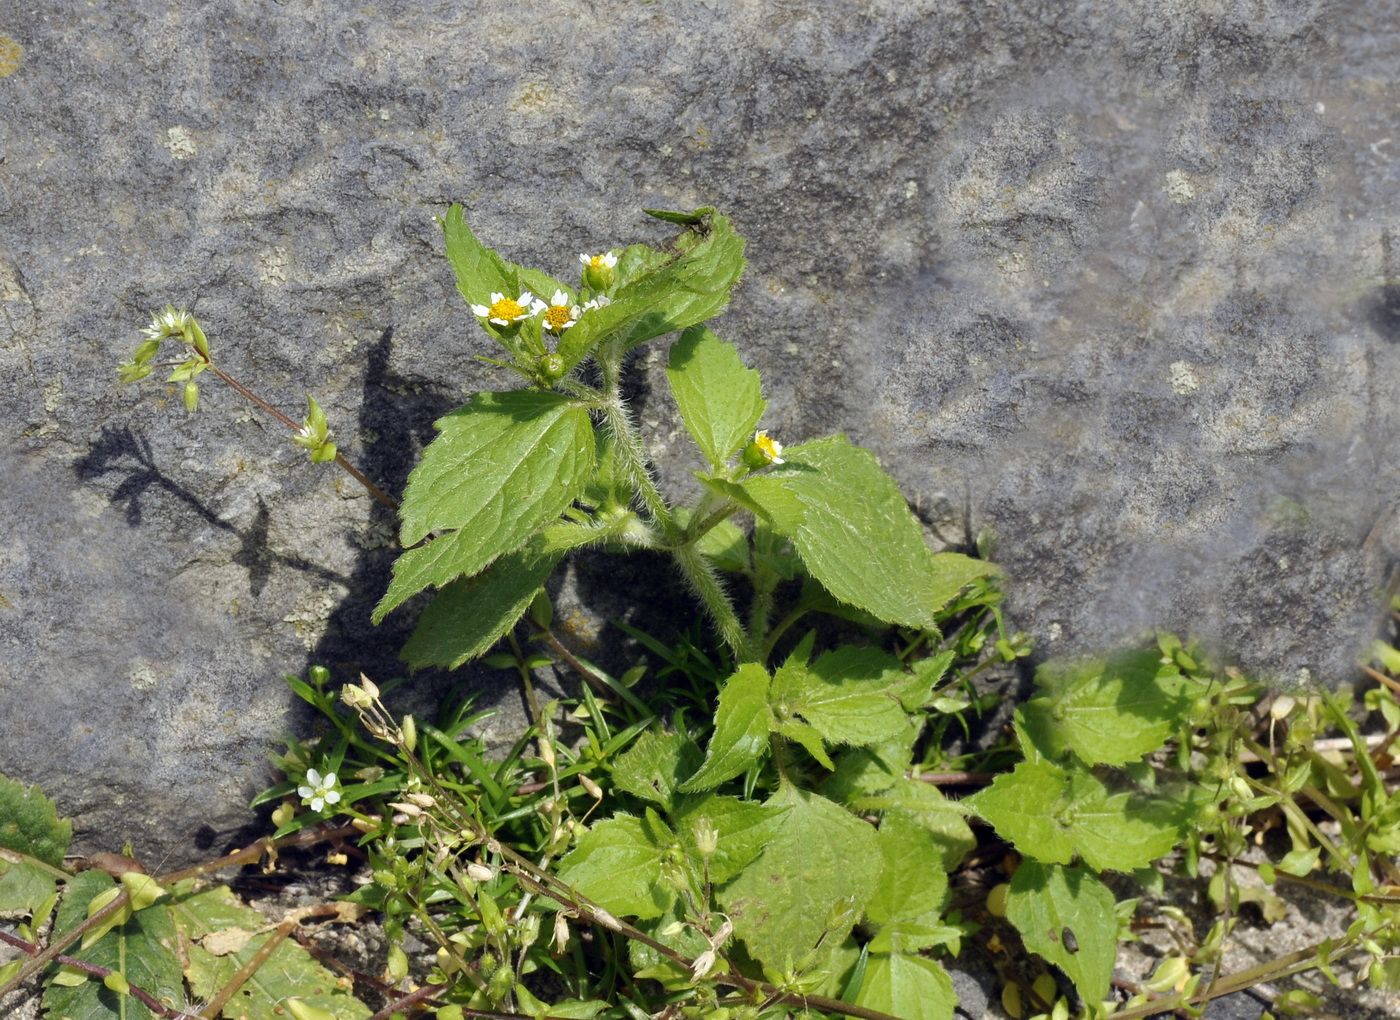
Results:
<point x="506" y="308"/>
<point x="596" y="262"/>
<point x="767" y="446"/>
<point x="556" y="317"/>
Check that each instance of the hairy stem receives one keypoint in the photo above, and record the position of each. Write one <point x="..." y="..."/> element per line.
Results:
<point x="698" y="572"/>
<point x="704" y="581"/>
<point x="760" y="610"/>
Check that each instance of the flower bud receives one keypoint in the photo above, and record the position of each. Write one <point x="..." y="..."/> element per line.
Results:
<point x="397" y="964"/>
<point x="480" y="872"/>
<point x="703" y="965"/>
<point x="706" y="838"/>
<point x="599" y="271"/>
<point x="191" y="396"/>
<point x="410" y="732"/>
<point x="561" y="933"/>
<point x="762" y="452"/>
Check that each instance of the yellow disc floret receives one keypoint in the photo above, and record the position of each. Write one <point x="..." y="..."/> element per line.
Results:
<point x="771" y="449"/>
<point x="506" y="308"/>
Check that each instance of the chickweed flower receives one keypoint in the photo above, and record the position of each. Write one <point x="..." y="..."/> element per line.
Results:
<point x="504" y="311"/>
<point x="763" y="451"/>
<point x="560" y="314"/>
<point x="598" y="270"/>
<point x="314" y="434"/>
<point x="168" y="322"/>
<point x="319" y="790"/>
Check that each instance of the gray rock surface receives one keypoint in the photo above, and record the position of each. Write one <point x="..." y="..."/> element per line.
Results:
<point x="1114" y="278"/>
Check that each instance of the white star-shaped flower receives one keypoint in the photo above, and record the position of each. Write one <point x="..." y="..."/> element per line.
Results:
<point x="319" y="790"/>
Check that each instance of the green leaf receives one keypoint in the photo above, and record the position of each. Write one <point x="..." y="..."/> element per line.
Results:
<point x="1045" y="900"/>
<point x="1050" y="814"/>
<point x="1107" y="711"/>
<point x="725" y="546"/>
<point x="617" y="865"/>
<point x="671" y="931"/>
<point x="909" y="987"/>
<point x="864" y="772"/>
<point x="744" y="827"/>
<point x="481" y="272"/>
<point x="501" y="467"/>
<point x="808" y="738"/>
<point x="24" y="886"/>
<point x="683" y="218"/>
<point x="686" y="291"/>
<point x="848" y="695"/>
<point x="142" y="951"/>
<point x="652" y="768"/>
<point x="29" y="823"/>
<point x="782" y="903"/>
<point x="923" y="803"/>
<point x="720" y="400"/>
<point x="908" y="903"/>
<point x="220" y="936"/>
<point x="855" y="533"/>
<point x="469" y="615"/>
<point x="742" y="724"/>
<point x="773" y="553"/>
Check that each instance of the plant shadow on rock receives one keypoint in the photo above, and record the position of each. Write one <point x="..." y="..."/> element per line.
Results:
<point x="401" y="411"/>
<point x="1384" y="310"/>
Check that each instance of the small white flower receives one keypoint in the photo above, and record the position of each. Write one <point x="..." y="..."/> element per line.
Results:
<point x="559" y="314"/>
<point x="168" y="322"/>
<point x="606" y="260"/>
<point x="601" y="301"/>
<point x="504" y="311"/>
<point x="319" y="790"/>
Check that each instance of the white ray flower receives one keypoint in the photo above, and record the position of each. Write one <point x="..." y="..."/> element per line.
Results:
<point x="504" y="311"/>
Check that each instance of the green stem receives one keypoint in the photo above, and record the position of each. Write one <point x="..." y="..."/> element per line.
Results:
<point x="796" y="613"/>
<point x="699" y="526"/>
<point x="760" y="610"/>
<point x="1270" y="970"/>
